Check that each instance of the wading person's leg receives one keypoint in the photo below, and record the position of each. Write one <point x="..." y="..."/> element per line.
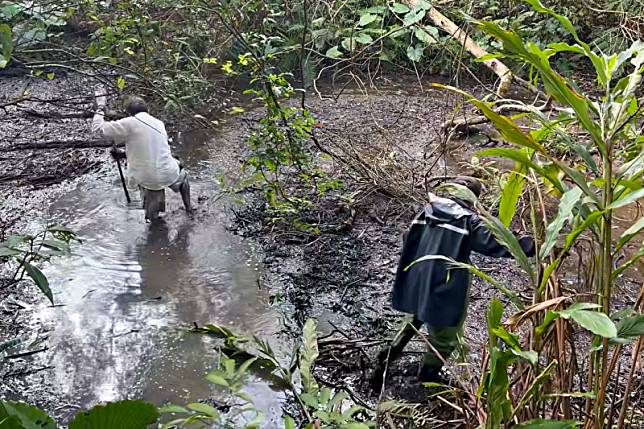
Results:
<point x="153" y="203"/>
<point x="182" y="185"/>
<point x="444" y="341"/>
<point x="392" y="351"/>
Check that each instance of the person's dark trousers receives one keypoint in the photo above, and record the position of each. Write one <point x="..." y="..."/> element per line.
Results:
<point x="443" y="340"/>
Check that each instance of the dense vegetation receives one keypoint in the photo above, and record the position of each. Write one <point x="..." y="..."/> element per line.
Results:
<point x="580" y="150"/>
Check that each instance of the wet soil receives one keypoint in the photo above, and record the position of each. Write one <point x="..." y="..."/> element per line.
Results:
<point x="343" y="276"/>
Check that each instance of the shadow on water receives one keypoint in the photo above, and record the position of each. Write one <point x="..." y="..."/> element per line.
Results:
<point x="130" y="291"/>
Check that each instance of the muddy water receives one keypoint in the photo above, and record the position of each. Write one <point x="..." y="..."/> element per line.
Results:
<point x="130" y="290"/>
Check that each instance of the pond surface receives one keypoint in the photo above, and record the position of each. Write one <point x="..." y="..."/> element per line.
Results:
<point x="129" y="293"/>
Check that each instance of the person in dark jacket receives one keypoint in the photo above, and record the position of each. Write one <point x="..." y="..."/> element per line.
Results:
<point x="427" y="288"/>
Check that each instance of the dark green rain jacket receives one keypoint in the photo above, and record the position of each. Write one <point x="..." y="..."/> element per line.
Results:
<point x="427" y="290"/>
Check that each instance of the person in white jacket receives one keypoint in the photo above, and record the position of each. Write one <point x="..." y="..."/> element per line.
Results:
<point x="150" y="162"/>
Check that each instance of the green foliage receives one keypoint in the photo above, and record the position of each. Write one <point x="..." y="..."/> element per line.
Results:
<point x="591" y="190"/>
<point x="6" y="45"/>
<point x="26" y="250"/>
<point x="25" y="24"/>
<point x="321" y="407"/>
<point x="309" y="353"/>
<point x="280" y="161"/>
<point x="17" y="415"/>
<point x="511" y="193"/>
<point x="123" y="414"/>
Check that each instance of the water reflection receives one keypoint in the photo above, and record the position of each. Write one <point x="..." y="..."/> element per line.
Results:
<point x="130" y="292"/>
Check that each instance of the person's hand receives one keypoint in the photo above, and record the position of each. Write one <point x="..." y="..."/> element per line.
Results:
<point x="100" y="99"/>
<point x="527" y="244"/>
<point x="117" y="154"/>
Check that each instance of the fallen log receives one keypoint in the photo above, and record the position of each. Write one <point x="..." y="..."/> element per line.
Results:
<point x="82" y="114"/>
<point x="441" y="21"/>
<point x="58" y="144"/>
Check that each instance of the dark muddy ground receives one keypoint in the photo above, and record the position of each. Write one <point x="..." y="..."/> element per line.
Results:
<point x="341" y="277"/>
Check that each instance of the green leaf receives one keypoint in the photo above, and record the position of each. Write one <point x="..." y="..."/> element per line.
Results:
<point x="203" y="409"/>
<point x="354" y="425"/>
<point x="472" y="269"/>
<point x="413" y="17"/>
<point x="308" y="354"/>
<point x="627" y="199"/>
<point x="51" y="76"/>
<point x="399" y="8"/>
<point x="349" y="43"/>
<point x="289" y="423"/>
<point x="565" y="22"/>
<point x="41" y="281"/>
<point x="631" y="327"/>
<point x="8" y="252"/>
<point x="530" y="355"/>
<point x="9" y="344"/>
<point x="6" y="45"/>
<point x="120" y="83"/>
<point x="236" y="110"/>
<point x="494" y="315"/>
<point x="122" y="415"/>
<point x="568" y="201"/>
<point x="19" y="415"/>
<point x="378" y="10"/>
<point x="570" y="240"/>
<point x="367" y="19"/>
<point x="509" y="241"/>
<point x="11" y="10"/>
<point x="173" y="409"/>
<point x="553" y="83"/>
<point x="520" y="156"/>
<point x="578" y="306"/>
<point x="508" y="129"/>
<point x="510" y="340"/>
<point x="58" y="245"/>
<point x="596" y="322"/>
<point x="547" y="424"/>
<point x="415" y="53"/>
<point x="511" y="193"/>
<point x="363" y="38"/>
<point x="334" y="52"/>
<point x="422" y="35"/>
<point x="216" y="378"/>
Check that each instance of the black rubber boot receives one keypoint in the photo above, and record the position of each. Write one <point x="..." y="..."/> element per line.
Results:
<point x="377" y="378"/>
<point x="185" y="196"/>
<point x="428" y="374"/>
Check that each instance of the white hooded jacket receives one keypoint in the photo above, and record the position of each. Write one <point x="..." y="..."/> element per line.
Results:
<point x="150" y="162"/>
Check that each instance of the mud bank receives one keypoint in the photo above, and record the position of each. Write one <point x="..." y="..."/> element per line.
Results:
<point x="343" y="276"/>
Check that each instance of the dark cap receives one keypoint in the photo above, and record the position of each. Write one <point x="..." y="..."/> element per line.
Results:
<point x="470" y="183"/>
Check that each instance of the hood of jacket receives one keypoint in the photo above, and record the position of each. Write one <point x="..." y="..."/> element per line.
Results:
<point x="445" y="210"/>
